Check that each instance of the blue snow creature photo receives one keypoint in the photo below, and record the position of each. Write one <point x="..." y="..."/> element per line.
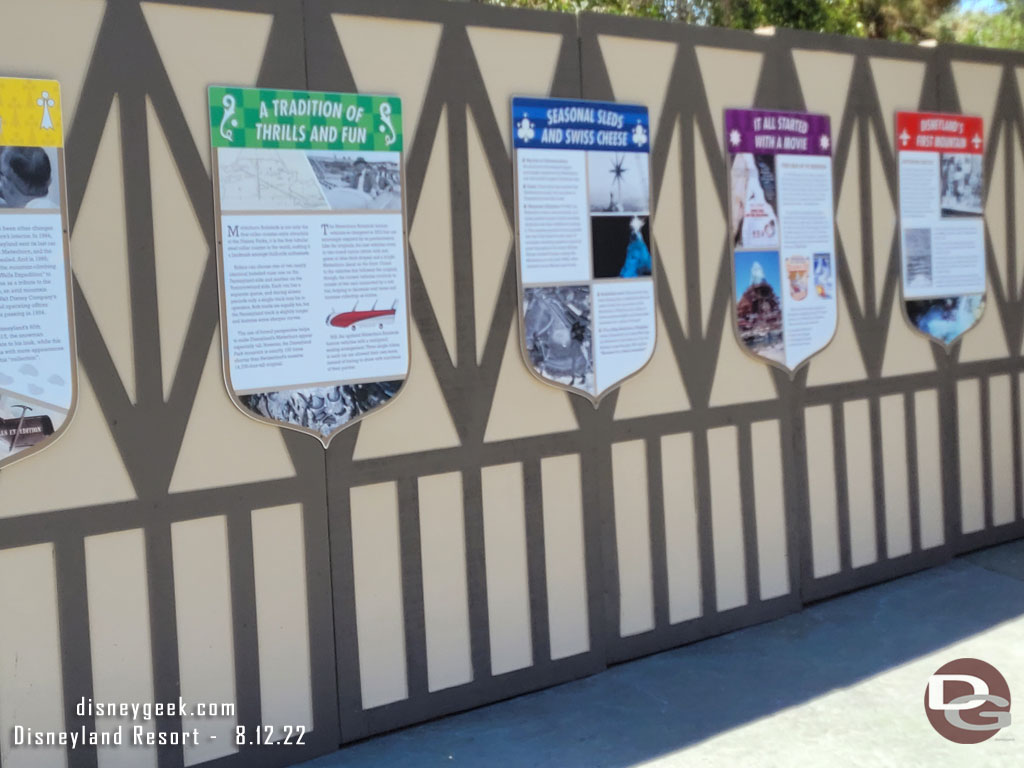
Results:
<point x="620" y="246"/>
<point x="638" y="258"/>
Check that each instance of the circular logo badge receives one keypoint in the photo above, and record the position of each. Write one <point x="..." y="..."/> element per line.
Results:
<point x="967" y="701"/>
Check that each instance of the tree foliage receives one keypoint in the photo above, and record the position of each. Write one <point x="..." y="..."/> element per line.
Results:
<point x="904" y="20"/>
<point x="1000" y="28"/>
<point x="837" y="16"/>
<point x="908" y="21"/>
<point x="654" y="9"/>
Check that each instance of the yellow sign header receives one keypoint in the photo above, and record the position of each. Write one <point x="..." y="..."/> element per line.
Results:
<point x="30" y="113"/>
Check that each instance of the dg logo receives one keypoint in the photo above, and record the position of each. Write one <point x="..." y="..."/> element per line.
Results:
<point x="967" y="701"/>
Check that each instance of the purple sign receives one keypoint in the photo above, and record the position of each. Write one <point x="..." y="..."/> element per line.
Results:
<point x="767" y="132"/>
<point x="782" y="234"/>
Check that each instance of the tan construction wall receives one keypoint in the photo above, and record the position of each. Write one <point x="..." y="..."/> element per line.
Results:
<point x="485" y="535"/>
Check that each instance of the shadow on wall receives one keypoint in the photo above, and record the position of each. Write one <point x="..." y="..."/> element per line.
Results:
<point x="644" y="709"/>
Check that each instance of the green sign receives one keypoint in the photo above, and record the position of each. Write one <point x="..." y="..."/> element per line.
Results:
<point x="271" y="119"/>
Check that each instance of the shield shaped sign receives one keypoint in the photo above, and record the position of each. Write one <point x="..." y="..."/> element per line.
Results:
<point x="942" y="224"/>
<point x="585" y="264"/>
<point x="311" y="247"/>
<point x="38" y="363"/>
<point x="782" y="234"/>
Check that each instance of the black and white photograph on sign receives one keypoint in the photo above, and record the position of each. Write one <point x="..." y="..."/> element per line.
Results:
<point x="618" y="182"/>
<point x="917" y="255"/>
<point x="355" y="181"/>
<point x="759" y="303"/>
<point x="29" y="177"/>
<point x="323" y="409"/>
<point x="23" y="425"/>
<point x="961" y="185"/>
<point x="620" y="246"/>
<point x="754" y="201"/>
<point x="946" y="318"/>
<point x="557" y="329"/>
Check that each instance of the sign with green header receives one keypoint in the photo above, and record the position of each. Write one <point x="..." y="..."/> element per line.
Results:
<point x="273" y="119"/>
<point x="311" y="254"/>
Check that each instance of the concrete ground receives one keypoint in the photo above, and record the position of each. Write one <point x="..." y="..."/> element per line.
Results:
<point x="838" y="684"/>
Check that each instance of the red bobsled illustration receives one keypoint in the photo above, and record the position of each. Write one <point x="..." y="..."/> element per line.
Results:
<point x="353" y="317"/>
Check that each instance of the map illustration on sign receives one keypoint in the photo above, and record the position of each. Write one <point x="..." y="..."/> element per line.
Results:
<point x="785" y="274"/>
<point x="311" y="254"/>
<point x="586" y="271"/>
<point x="38" y="362"/>
<point x="942" y="225"/>
<point x="267" y="180"/>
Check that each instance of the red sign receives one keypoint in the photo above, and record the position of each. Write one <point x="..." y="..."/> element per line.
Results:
<point x="939" y="132"/>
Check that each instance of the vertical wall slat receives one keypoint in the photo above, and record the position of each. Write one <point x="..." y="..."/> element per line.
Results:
<point x="633" y="538"/>
<point x="538" y="578"/>
<point x="279" y="566"/>
<point x="508" y="588"/>
<point x="824" y="516"/>
<point x="76" y="643"/>
<point x="568" y="619"/>
<point x="445" y="594"/>
<point x="681" y="541"/>
<point x="929" y="468"/>
<point x="380" y="623"/>
<point x="770" y="511"/>
<point x="122" y="661"/>
<point x="860" y="489"/>
<point x="894" y="469"/>
<point x="31" y="692"/>
<point x="972" y="494"/>
<point x="206" y="649"/>
<point x="1004" y="477"/>
<point x="727" y="519"/>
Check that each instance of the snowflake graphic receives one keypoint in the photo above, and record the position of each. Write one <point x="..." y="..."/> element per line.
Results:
<point x="525" y="132"/>
<point x="734" y="137"/>
<point x="639" y="135"/>
<point x="824" y="142"/>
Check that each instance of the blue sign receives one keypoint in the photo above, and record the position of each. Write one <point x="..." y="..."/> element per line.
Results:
<point x="578" y="124"/>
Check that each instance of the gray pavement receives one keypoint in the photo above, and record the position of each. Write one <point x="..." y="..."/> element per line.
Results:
<point x="839" y="684"/>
